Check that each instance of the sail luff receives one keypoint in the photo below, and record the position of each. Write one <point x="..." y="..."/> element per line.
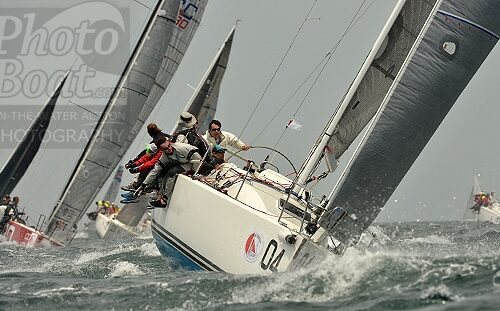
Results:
<point x="440" y="67"/>
<point x="316" y="153"/>
<point x="384" y="102"/>
<point x="197" y="103"/>
<point x="21" y="157"/>
<point x="52" y="223"/>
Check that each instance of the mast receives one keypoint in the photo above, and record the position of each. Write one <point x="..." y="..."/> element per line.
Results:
<point x="148" y="73"/>
<point x="317" y="152"/>
<point x="51" y="225"/>
<point x="455" y="40"/>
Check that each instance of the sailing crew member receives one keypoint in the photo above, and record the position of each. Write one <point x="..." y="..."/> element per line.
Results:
<point x="5" y="202"/>
<point x="213" y="161"/>
<point x="189" y="133"/>
<point x="11" y="212"/>
<point x="215" y="135"/>
<point x="144" y="164"/>
<point x="155" y="133"/>
<point x="177" y="158"/>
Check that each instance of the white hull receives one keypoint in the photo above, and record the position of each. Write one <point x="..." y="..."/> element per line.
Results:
<point x="203" y="228"/>
<point x="489" y="214"/>
<point x="108" y="226"/>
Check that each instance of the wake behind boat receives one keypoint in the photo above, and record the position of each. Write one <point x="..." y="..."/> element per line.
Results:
<point x="256" y="220"/>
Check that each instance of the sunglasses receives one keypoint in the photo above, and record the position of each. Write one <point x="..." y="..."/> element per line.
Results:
<point x="215" y="129"/>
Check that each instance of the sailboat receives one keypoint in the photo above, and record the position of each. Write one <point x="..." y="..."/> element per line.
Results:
<point x="132" y="218"/>
<point x="145" y="78"/>
<point x="254" y="220"/>
<point x="18" y="164"/>
<point x="482" y="206"/>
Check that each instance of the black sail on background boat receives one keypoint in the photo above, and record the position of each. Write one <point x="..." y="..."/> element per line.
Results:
<point x="26" y="150"/>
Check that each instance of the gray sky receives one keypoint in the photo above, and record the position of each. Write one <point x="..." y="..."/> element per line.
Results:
<point x="435" y="188"/>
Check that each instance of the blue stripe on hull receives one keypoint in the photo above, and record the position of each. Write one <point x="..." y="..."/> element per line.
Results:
<point x="180" y="249"/>
<point x="167" y="250"/>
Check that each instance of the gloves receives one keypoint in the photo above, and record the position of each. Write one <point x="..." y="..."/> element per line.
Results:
<point x="139" y="191"/>
<point x="129" y="164"/>
<point x="133" y="170"/>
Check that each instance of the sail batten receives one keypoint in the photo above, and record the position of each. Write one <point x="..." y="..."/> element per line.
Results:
<point x="442" y="63"/>
<point x="136" y="96"/>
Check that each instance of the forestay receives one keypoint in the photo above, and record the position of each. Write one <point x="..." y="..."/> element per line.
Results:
<point x="156" y="56"/>
<point x="371" y="85"/>
<point x="23" y="155"/>
<point x="454" y="42"/>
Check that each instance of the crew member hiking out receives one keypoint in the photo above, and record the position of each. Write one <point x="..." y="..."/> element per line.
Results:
<point x="189" y="133"/>
<point x="176" y="158"/>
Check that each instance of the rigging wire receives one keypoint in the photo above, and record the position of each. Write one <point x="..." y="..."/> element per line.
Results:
<point x="357" y="16"/>
<point x="277" y="69"/>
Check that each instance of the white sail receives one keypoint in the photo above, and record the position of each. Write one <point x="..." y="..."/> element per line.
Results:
<point x="156" y="57"/>
<point x="114" y="187"/>
<point x="203" y="105"/>
<point x="442" y="61"/>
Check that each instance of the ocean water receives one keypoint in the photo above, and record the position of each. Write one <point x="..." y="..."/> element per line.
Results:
<point x="412" y="266"/>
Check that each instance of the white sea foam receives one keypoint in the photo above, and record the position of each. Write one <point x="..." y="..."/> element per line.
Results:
<point x="82" y="235"/>
<point x="54" y="291"/>
<point x="431" y="239"/>
<point x="150" y="249"/>
<point x="125" y="268"/>
<point x="95" y="255"/>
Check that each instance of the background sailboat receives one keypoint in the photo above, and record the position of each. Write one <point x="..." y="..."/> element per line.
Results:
<point x="482" y="206"/>
<point x="150" y="69"/>
<point x="17" y="165"/>
<point x="202" y="105"/>
<point x="20" y="159"/>
<point x="114" y="187"/>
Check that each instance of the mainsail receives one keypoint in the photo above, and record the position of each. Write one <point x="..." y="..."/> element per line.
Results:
<point x="114" y="187"/>
<point x="23" y="155"/>
<point x="153" y="62"/>
<point x="202" y="105"/>
<point x="455" y="40"/>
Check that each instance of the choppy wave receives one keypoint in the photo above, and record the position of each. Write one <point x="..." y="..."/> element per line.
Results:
<point x="411" y="266"/>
